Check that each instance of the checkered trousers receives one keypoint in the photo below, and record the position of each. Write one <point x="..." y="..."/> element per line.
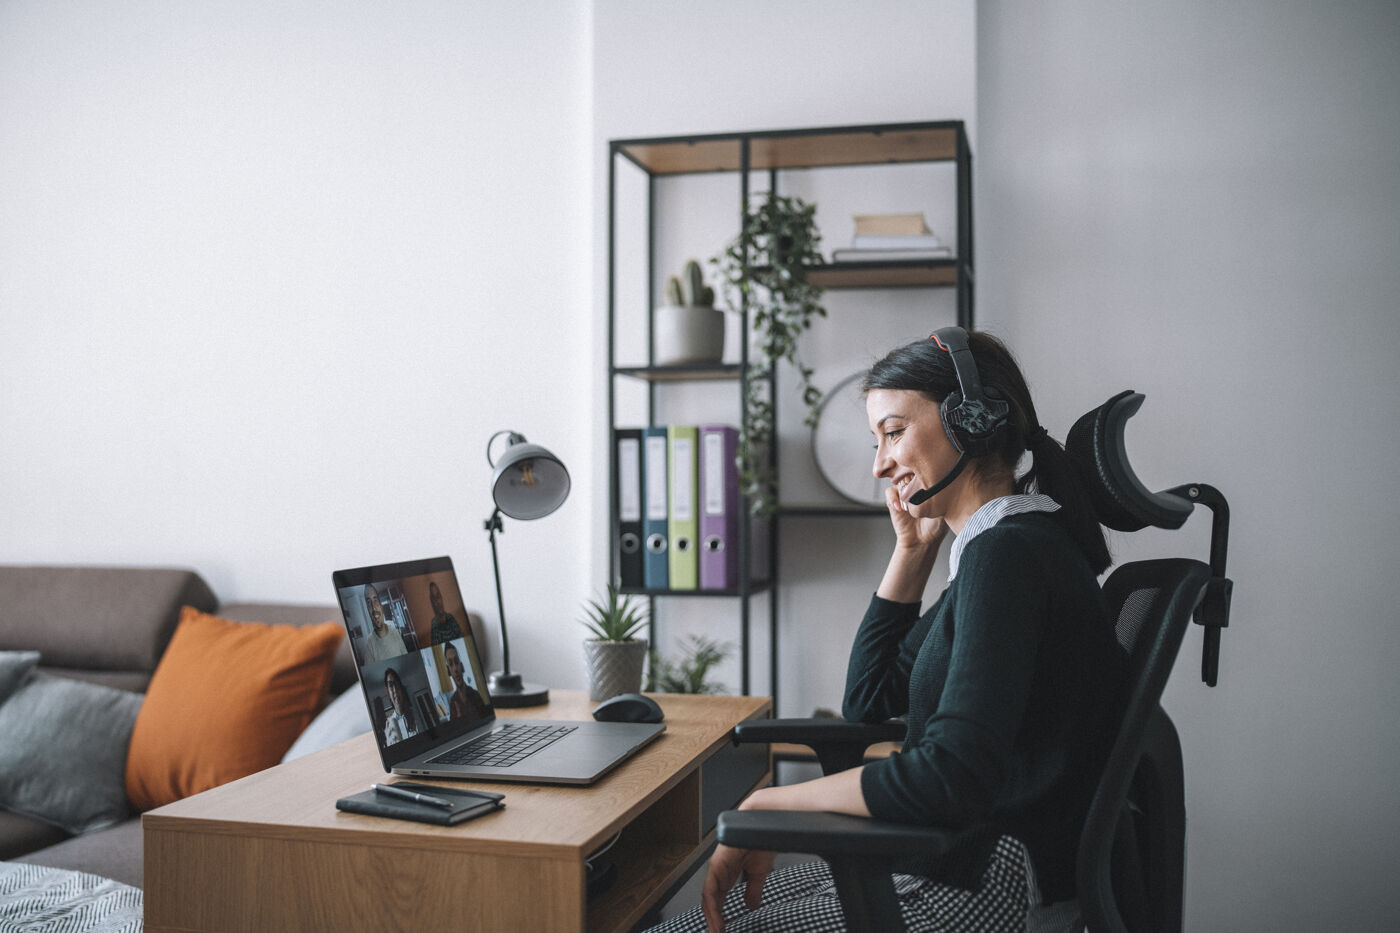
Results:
<point x="802" y="899"/>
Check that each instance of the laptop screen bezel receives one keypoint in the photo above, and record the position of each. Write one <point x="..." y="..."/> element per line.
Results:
<point x="435" y="734"/>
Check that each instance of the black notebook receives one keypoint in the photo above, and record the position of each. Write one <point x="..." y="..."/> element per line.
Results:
<point x="466" y="804"/>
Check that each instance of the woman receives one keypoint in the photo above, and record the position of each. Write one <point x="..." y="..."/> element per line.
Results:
<point x="384" y="641"/>
<point x="1008" y="681"/>
<point x="401" y="722"/>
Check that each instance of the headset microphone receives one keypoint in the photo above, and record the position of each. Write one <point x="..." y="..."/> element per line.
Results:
<point x="973" y="418"/>
<point x="923" y="495"/>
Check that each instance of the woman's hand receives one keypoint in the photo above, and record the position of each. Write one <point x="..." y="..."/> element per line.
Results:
<point x="727" y="866"/>
<point x="911" y="532"/>
<point x="916" y="548"/>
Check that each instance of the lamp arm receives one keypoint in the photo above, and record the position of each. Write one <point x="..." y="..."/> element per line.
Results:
<point x="493" y="525"/>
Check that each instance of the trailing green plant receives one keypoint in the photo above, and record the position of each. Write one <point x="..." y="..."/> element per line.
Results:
<point x="614" y="617"/>
<point x="692" y="287"/>
<point x="690" y="673"/>
<point x="764" y="269"/>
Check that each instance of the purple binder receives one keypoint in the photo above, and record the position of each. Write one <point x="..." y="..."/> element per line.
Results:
<point x="719" y="507"/>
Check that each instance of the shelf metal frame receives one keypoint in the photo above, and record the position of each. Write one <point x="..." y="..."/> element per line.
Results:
<point x="775" y="151"/>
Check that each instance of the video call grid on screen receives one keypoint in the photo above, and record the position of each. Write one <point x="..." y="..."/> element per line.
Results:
<point x="413" y="648"/>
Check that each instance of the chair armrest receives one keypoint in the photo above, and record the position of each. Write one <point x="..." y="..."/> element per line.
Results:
<point x="831" y="834"/>
<point x="818" y="731"/>
<point x="839" y="744"/>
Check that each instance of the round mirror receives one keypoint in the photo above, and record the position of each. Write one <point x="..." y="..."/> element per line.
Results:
<point x="842" y="445"/>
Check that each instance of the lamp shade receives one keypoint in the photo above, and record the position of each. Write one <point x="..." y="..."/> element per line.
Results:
<point x="529" y="482"/>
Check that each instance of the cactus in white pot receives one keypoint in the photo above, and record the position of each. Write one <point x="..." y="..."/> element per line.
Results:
<point x="689" y="329"/>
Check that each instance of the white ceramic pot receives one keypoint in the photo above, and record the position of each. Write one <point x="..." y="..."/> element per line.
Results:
<point x="689" y="334"/>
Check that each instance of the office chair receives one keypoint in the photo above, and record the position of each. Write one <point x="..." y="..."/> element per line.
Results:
<point x="1130" y="863"/>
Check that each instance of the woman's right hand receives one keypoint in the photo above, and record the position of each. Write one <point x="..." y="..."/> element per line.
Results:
<point x="916" y="548"/>
<point x="910" y="532"/>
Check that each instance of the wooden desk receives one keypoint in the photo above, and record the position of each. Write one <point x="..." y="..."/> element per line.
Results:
<point x="271" y="852"/>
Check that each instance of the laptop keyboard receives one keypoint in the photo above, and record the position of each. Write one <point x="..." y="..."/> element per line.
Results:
<point x="504" y="747"/>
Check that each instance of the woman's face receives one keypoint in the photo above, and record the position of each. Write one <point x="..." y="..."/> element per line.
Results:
<point x="912" y="450"/>
<point x="396" y="693"/>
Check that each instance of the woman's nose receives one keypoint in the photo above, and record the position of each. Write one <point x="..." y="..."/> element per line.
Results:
<point x="882" y="463"/>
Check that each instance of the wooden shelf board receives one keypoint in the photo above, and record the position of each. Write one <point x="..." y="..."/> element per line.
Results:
<point x="793" y="150"/>
<point x="919" y="273"/>
<point x="709" y="372"/>
<point x="757" y="586"/>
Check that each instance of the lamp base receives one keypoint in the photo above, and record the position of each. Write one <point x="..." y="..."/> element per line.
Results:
<point x="509" y="691"/>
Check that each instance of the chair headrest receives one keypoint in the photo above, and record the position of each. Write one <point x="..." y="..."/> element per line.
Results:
<point x="1120" y="500"/>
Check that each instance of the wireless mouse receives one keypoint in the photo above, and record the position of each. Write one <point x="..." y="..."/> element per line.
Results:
<point x="628" y="707"/>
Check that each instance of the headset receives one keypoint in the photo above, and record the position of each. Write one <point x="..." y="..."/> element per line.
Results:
<point x="974" y="418"/>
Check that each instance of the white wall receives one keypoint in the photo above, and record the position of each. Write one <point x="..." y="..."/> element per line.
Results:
<point x="1201" y="201"/>
<point x="271" y="273"/>
<point x="726" y="65"/>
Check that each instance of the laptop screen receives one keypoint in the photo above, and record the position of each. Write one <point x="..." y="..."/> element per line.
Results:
<point x="419" y="664"/>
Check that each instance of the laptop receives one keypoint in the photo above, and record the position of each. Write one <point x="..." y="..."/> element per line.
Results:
<point x="421" y="674"/>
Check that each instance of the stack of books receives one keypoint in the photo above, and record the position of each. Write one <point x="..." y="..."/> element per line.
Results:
<point x="890" y="238"/>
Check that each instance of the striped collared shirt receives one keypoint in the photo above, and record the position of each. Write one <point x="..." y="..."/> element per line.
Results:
<point x="993" y="512"/>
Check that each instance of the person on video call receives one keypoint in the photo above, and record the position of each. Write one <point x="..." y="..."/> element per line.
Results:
<point x="465" y="701"/>
<point x="401" y="722"/>
<point x="1008" y="680"/>
<point x="444" y="627"/>
<point x="384" y="641"/>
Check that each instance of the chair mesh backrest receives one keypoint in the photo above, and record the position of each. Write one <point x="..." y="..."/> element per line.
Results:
<point x="1154" y="601"/>
<point x="1134" y="615"/>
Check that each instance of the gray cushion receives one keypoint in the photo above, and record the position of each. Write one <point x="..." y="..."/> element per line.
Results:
<point x="346" y="717"/>
<point x="14" y="667"/>
<point x="63" y="750"/>
<point x="21" y="834"/>
<point x="96" y="618"/>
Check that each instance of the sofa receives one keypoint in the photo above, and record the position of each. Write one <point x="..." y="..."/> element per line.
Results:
<point x="111" y="626"/>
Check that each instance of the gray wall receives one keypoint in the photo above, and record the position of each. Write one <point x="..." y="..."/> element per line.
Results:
<point x="1199" y="200"/>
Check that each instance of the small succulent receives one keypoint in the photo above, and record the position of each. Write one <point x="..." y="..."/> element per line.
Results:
<point x="613" y="618"/>
<point x="692" y="286"/>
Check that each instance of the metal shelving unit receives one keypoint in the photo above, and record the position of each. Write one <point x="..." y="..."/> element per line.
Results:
<point x="777" y="151"/>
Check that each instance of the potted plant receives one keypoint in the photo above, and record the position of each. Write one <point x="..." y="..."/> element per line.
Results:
<point x="614" y="653"/>
<point x="765" y="269"/>
<point x="691" y="673"/>
<point x="689" y="329"/>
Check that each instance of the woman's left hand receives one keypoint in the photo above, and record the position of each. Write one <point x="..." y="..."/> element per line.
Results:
<point x="727" y="866"/>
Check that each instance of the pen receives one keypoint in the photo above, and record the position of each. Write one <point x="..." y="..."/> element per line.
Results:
<point x="391" y="791"/>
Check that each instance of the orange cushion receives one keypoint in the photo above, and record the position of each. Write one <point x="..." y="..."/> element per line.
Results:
<point x="227" y="699"/>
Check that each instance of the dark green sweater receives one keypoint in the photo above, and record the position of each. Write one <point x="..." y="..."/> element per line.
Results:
<point x="1009" y="683"/>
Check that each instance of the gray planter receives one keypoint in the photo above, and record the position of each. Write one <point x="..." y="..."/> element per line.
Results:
<point x="614" y="667"/>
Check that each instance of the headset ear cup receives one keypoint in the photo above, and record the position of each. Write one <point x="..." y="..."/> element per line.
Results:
<point x="947" y="413"/>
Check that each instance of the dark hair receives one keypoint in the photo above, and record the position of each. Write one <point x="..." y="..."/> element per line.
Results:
<point x="924" y="367"/>
<point x="408" y="714"/>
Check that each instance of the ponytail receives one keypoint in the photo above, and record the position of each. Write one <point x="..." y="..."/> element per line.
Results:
<point x="1053" y="473"/>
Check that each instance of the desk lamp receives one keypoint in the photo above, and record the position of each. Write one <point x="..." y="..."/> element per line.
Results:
<point x="527" y="482"/>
